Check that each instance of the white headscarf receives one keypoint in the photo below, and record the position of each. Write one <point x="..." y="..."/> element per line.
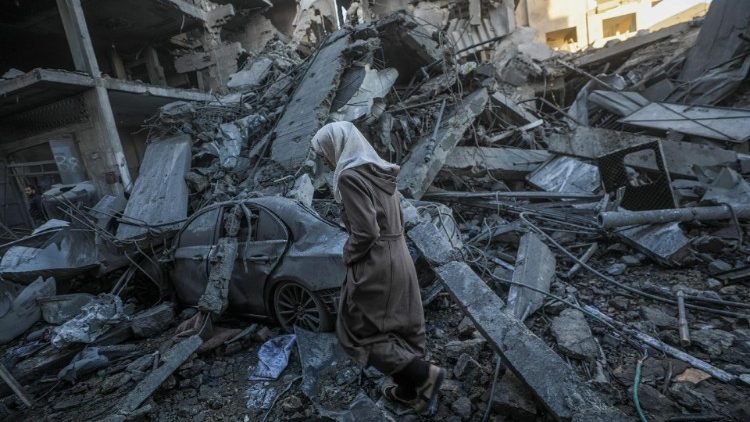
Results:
<point x="343" y="144"/>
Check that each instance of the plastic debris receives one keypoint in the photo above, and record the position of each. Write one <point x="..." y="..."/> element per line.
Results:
<point x="273" y="357"/>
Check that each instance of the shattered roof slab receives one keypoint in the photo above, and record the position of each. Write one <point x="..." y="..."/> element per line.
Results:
<point x="310" y="104"/>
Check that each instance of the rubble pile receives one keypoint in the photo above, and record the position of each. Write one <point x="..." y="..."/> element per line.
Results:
<point x="578" y="221"/>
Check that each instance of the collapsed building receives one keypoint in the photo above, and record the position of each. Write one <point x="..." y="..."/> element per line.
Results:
<point x="578" y="221"/>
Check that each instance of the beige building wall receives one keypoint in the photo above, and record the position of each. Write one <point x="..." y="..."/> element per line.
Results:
<point x="573" y="25"/>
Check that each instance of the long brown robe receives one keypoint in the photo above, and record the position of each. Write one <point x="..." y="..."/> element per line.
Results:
<point x="380" y="319"/>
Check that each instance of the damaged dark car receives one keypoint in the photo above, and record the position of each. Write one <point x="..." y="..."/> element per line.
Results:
<point x="288" y="266"/>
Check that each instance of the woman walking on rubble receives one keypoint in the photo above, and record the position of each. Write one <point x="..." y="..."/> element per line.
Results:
<point x="380" y="320"/>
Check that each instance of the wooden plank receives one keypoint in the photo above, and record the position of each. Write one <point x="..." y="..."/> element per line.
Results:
<point x="552" y="380"/>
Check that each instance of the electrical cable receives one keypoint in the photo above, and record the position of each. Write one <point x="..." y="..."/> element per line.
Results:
<point x="608" y="279"/>
<point x="636" y="382"/>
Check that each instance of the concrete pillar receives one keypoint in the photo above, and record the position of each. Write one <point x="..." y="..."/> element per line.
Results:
<point x="103" y="153"/>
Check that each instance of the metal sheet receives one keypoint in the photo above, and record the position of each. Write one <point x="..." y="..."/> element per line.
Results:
<point x="664" y="243"/>
<point x="566" y="174"/>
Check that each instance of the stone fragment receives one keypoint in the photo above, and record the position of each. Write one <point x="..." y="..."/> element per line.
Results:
<point x="653" y="401"/>
<point x="466" y="328"/>
<point x="553" y="381"/>
<point x="658" y="317"/>
<point x="466" y="367"/>
<point x="713" y="283"/>
<point x="616" y="269"/>
<point x="263" y="335"/>
<point x="718" y="266"/>
<point x="573" y="335"/>
<point x="430" y="152"/>
<point x="513" y="399"/>
<point x="291" y="403"/>
<point x="620" y="303"/>
<point x="472" y="347"/>
<point x="631" y="260"/>
<point x="712" y="341"/>
<point x="462" y="407"/>
<point x="153" y="321"/>
<point x="303" y="190"/>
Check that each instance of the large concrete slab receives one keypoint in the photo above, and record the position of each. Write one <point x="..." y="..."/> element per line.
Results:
<point x="592" y="143"/>
<point x="552" y="380"/>
<point x="310" y="103"/>
<point x="160" y="195"/>
<point x="429" y="154"/>
<point x="505" y="163"/>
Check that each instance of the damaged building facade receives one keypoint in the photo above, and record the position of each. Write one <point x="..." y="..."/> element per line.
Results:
<point x="574" y="186"/>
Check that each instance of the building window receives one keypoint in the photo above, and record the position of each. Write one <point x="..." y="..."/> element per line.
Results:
<point x="563" y="39"/>
<point x="619" y="25"/>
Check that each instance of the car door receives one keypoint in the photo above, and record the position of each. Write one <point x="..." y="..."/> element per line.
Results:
<point x="194" y="245"/>
<point x="262" y="244"/>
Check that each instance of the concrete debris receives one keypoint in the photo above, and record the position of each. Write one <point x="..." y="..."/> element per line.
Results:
<point x="712" y="341"/>
<point x="730" y="125"/>
<point x="551" y="379"/>
<point x="67" y="252"/>
<point x="430" y="152"/>
<point x="171" y="360"/>
<point x="161" y="181"/>
<point x="252" y="76"/>
<point x="152" y="321"/>
<point x="159" y="190"/>
<point x="573" y="335"/>
<point x="303" y="190"/>
<point x="716" y="64"/>
<point x="61" y="308"/>
<point x="309" y="103"/>
<point x="513" y="398"/>
<point x="535" y="267"/>
<point x="374" y="87"/>
<point x="664" y="243"/>
<point x="19" y="309"/>
<point x="501" y="163"/>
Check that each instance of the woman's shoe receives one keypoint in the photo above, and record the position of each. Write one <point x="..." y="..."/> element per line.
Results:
<point x="429" y="392"/>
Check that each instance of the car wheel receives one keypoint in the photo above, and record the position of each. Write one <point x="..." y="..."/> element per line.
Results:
<point x="294" y="305"/>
